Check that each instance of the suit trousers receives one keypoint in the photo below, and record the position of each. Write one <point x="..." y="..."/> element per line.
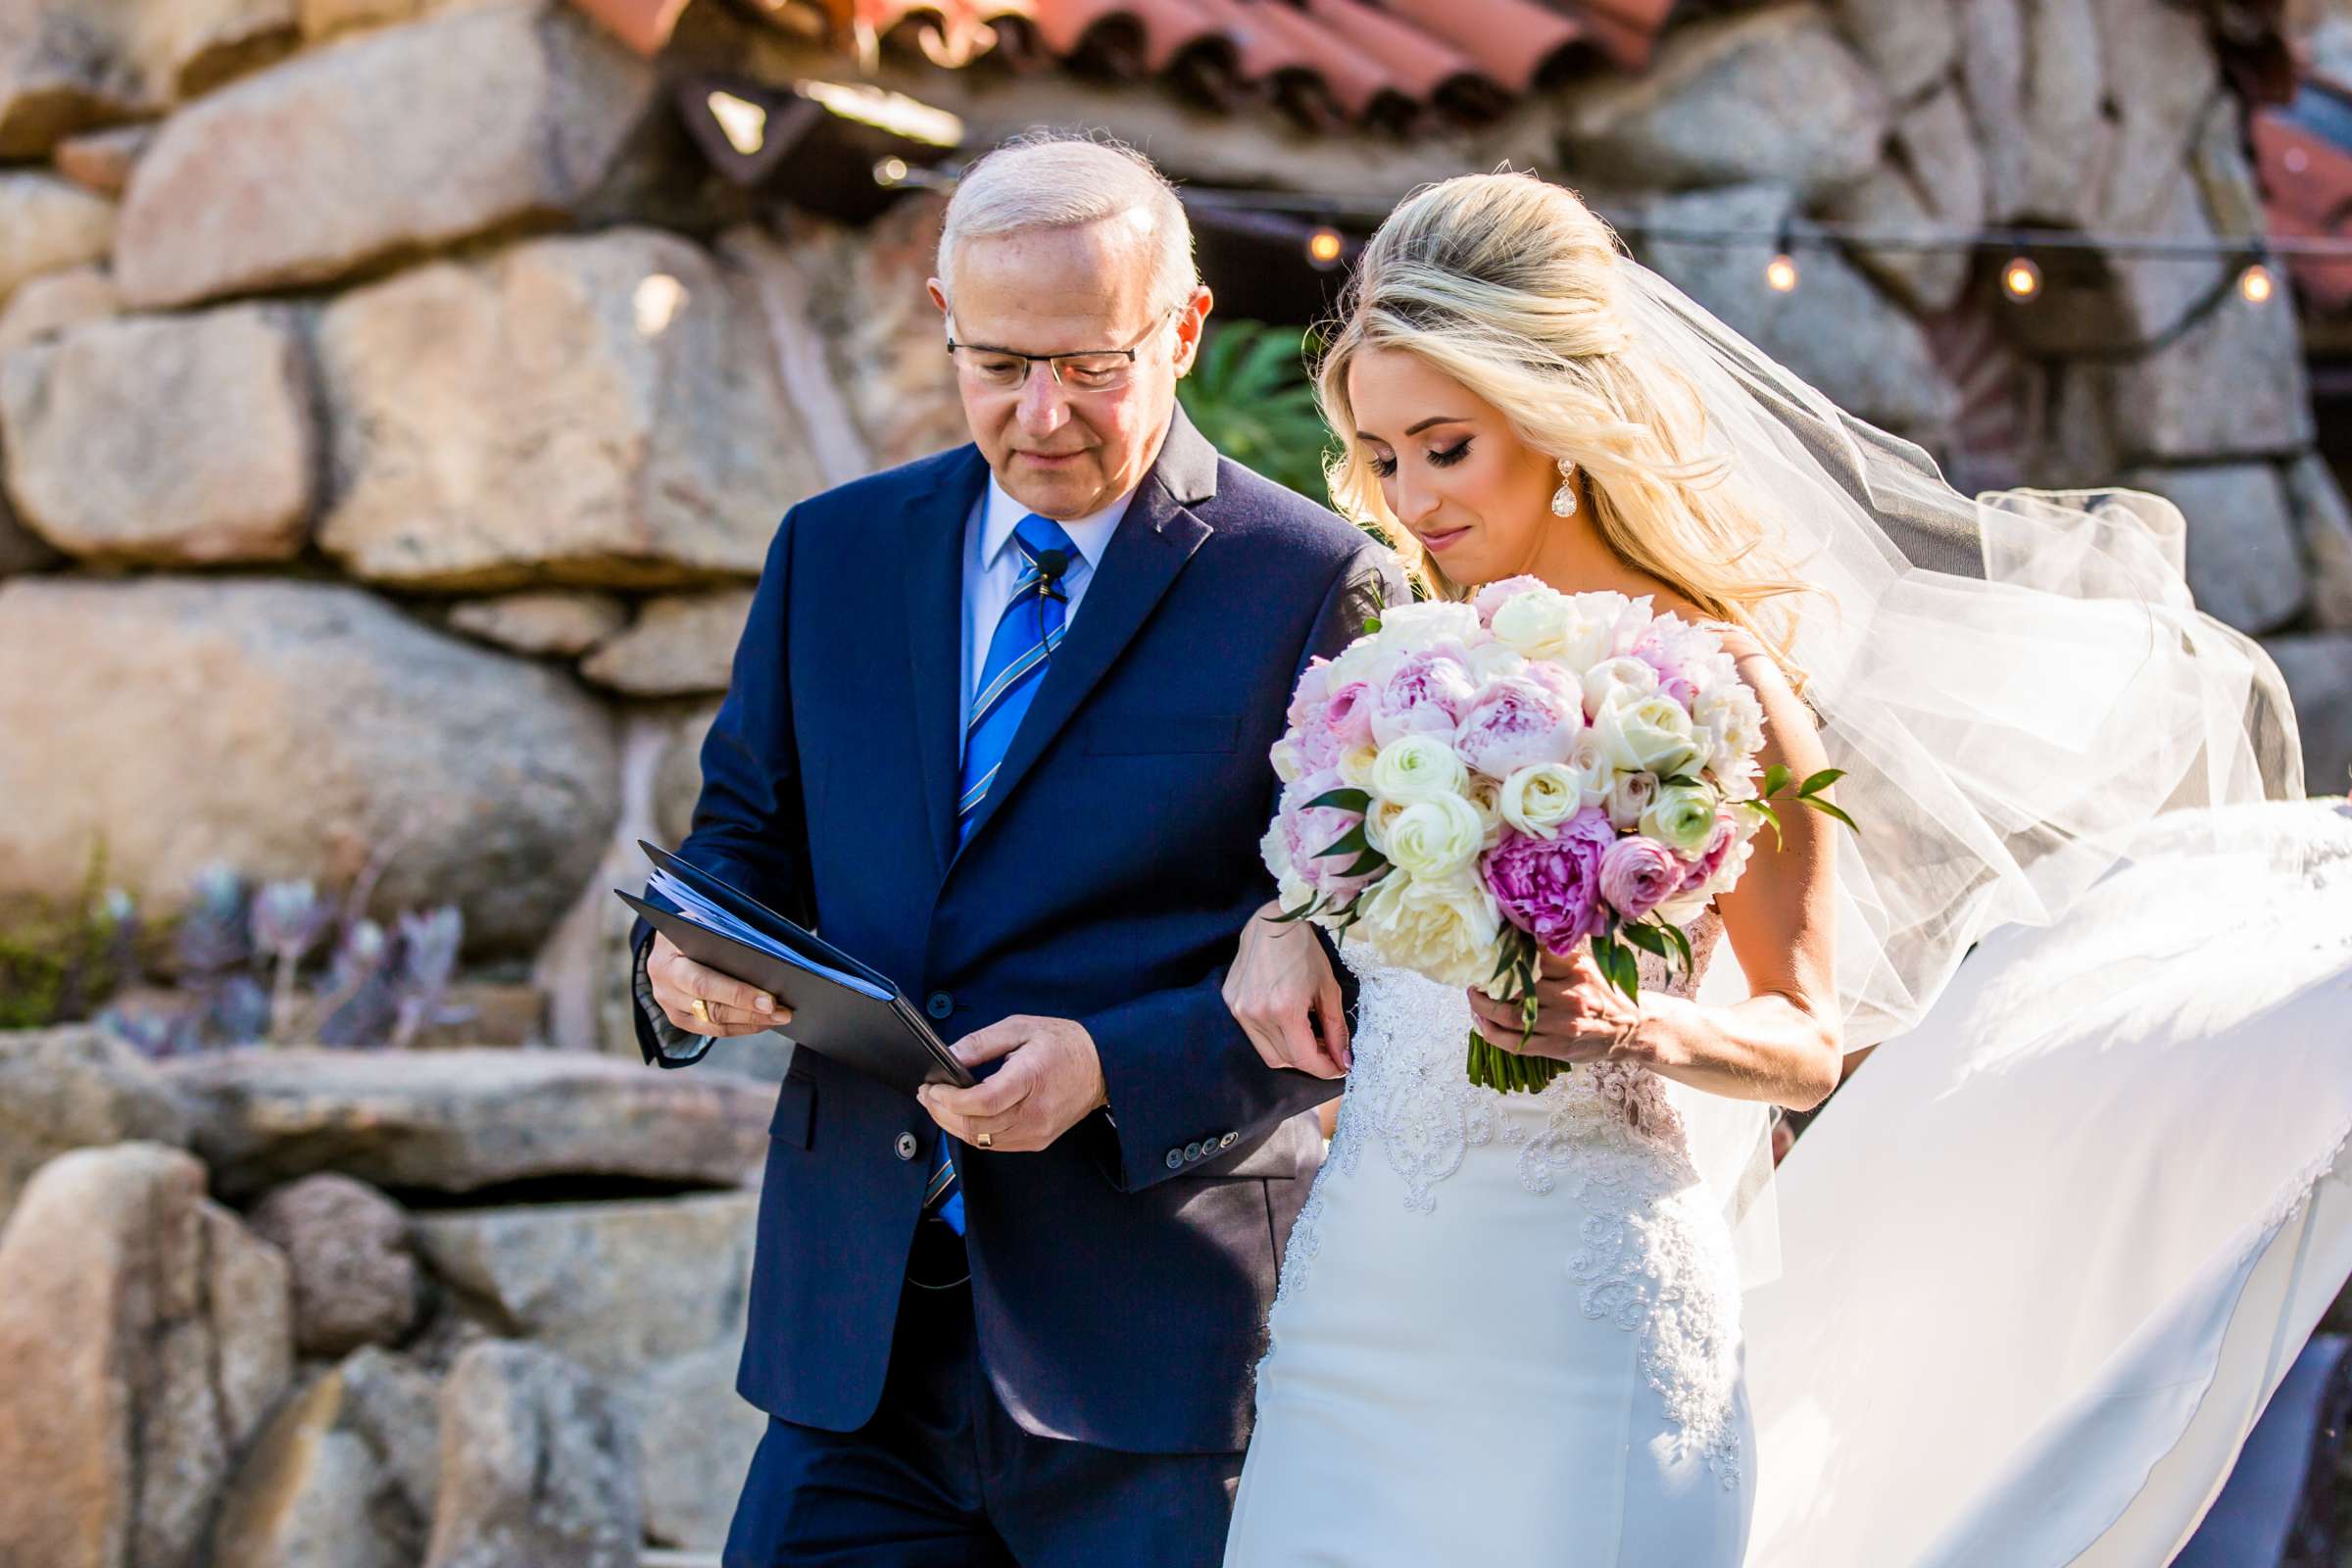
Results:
<point x="943" y="1476"/>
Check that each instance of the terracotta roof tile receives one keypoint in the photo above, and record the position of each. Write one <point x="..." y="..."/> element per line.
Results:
<point x="1326" y="61"/>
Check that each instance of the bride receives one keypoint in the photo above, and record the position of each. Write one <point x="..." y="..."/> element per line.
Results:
<point x="1509" y="1326"/>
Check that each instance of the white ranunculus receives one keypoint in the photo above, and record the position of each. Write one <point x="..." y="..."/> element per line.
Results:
<point x="1616" y="680"/>
<point x="1418" y="767"/>
<point x="1630" y="795"/>
<point x="1378" y="821"/>
<point x="1445" y="928"/>
<point x="1681" y="817"/>
<point x="1485" y="796"/>
<point x="1355" y="767"/>
<point x="1646" y="734"/>
<point x="1435" y="838"/>
<point x="1538" y="799"/>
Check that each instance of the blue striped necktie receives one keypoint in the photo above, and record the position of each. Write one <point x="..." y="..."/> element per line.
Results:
<point x="1018" y="655"/>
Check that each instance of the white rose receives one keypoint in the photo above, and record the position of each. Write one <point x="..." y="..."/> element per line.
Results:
<point x="1681" y="817"/>
<point x="1445" y="929"/>
<point x="1355" y="767"/>
<point x="1418" y="767"/>
<point x="1434" y="839"/>
<point x="1538" y="799"/>
<point x="1615" y="680"/>
<point x="1646" y="734"/>
<point x="1630" y="795"/>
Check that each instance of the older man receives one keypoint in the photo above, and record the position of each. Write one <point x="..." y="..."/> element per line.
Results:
<point x="999" y="725"/>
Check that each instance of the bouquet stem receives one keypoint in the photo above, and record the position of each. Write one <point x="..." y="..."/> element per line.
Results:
<point x="1508" y="1073"/>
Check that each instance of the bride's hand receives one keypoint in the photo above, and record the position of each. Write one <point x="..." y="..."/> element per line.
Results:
<point x="1579" y="1017"/>
<point x="1282" y="992"/>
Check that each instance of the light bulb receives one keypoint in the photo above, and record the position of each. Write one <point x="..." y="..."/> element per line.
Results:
<point x="1323" y="248"/>
<point x="2257" y="284"/>
<point x="2020" y="279"/>
<point x="1780" y="274"/>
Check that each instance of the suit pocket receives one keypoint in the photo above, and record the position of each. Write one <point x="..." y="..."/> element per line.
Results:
<point x="1155" y="734"/>
<point x="794" y="1120"/>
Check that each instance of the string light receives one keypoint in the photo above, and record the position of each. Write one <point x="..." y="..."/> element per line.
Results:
<point x="2021" y="279"/>
<point x="1780" y="274"/>
<point x="2257" y="284"/>
<point x="1324" y="248"/>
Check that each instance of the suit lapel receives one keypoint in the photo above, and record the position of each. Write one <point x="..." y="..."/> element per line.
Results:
<point x="1150" y="548"/>
<point x="934" y="519"/>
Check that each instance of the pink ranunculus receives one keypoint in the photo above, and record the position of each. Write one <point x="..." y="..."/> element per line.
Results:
<point x="1314" y="690"/>
<point x="1551" y="888"/>
<point x="1517" y="723"/>
<point x="1638" y="875"/>
<point x="1349" y="713"/>
<point x="1429" y="694"/>
<point x="1490" y="597"/>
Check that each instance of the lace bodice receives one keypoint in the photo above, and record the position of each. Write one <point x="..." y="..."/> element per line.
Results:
<point x="1648" y="1253"/>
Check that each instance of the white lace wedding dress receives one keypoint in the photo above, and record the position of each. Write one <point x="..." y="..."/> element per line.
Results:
<point x="1508" y="1330"/>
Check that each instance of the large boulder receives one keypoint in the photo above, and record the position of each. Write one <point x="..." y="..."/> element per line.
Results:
<point x="2318" y="667"/>
<point x="1909" y="44"/>
<point x="1835" y="329"/>
<point x="66" y="65"/>
<point x="601" y="409"/>
<point x="194" y="46"/>
<point x="56" y="302"/>
<point x="2324" y="520"/>
<point x="2166" y="407"/>
<point x="456" y="1121"/>
<point x="334" y="1480"/>
<point x="1935" y="180"/>
<point x="74" y="1088"/>
<point x="2244" y="565"/>
<point x="355" y="1280"/>
<point x="681" y="645"/>
<point x="698" y="1435"/>
<point x="144" y="1334"/>
<point x="184" y="440"/>
<point x="48" y="225"/>
<point x="615" y="1286"/>
<point x="305" y="724"/>
<point x="562" y="622"/>
<point x="1771" y="95"/>
<point x="538" y="1466"/>
<point x="407" y="139"/>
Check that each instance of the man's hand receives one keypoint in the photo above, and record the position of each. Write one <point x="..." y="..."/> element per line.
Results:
<point x="1283" y="993"/>
<point x="734" y="1008"/>
<point x="1052" y="1080"/>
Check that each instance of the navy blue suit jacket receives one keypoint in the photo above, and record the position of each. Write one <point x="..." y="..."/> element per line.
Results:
<point x="1121" y="1277"/>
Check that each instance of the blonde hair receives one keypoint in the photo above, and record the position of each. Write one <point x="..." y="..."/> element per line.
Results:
<point x="1509" y="285"/>
<point x="1063" y="179"/>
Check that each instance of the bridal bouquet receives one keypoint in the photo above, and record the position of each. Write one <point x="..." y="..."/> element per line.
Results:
<point x="1469" y="786"/>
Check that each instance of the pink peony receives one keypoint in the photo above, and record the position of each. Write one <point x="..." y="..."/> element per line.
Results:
<point x="1349" y="713"/>
<point x="1516" y="723"/>
<point x="1309" y="833"/>
<point x="1638" y="875"/>
<point x="1551" y="888"/>
<point x="1314" y="689"/>
<point x="1429" y="694"/>
<point x="1490" y="597"/>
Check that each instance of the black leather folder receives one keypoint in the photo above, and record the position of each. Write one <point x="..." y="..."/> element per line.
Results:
<point x="840" y="1009"/>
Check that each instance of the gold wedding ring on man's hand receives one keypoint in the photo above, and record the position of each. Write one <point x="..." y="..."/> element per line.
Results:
<point x="702" y="1010"/>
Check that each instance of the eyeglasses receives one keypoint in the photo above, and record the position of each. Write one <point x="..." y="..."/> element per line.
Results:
<point x="1083" y="370"/>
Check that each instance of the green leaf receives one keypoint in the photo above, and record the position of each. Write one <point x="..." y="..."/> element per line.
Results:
<point x="1371" y="624"/>
<point x="1301" y="912"/>
<point x="1644" y="937"/>
<point x="1351" y="842"/>
<point x="1681" y="944"/>
<point x="1820" y="781"/>
<point x="1367" y="864"/>
<point x="1827" y="809"/>
<point x="1341" y="800"/>
<point x="1768" y="816"/>
<point x="1776" y="778"/>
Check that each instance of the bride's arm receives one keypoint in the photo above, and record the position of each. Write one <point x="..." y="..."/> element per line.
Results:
<point x="1782" y="1045"/>
<point x="1284" y="993"/>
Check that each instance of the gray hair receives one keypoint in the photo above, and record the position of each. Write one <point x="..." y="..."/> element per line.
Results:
<point x="1057" y="179"/>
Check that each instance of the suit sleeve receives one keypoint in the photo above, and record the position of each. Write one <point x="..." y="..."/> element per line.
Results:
<point x="750" y="822"/>
<point x="1178" y="1068"/>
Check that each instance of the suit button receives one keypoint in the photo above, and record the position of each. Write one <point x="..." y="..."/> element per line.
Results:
<point x="906" y="1148"/>
<point x="1175" y="1160"/>
<point x="940" y="1004"/>
<point x="1229" y="1140"/>
<point x="1192" y="1150"/>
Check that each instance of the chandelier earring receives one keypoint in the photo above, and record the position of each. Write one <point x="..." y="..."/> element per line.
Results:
<point x="1563" y="500"/>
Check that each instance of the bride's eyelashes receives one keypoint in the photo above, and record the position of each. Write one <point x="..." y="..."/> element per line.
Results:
<point x="1384" y="467"/>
